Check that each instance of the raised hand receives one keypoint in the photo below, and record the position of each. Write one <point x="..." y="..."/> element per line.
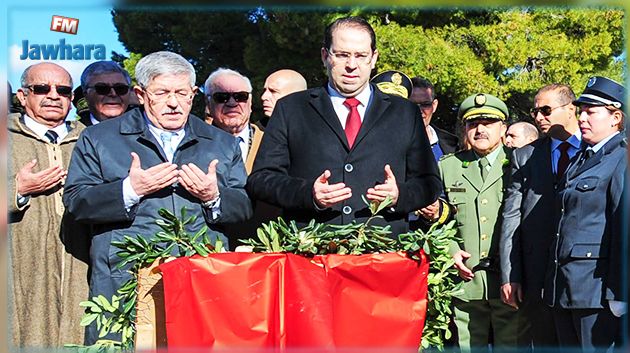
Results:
<point x="148" y="181"/>
<point x="198" y="183"/>
<point x="326" y="195"/>
<point x="388" y="188"/>
<point x="34" y="183"/>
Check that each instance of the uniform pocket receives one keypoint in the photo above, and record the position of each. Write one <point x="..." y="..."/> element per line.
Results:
<point x="587" y="184"/>
<point x="586" y="251"/>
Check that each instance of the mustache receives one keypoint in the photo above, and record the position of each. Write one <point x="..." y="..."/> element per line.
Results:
<point x="50" y="103"/>
<point x="481" y="135"/>
<point x="177" y="110"/>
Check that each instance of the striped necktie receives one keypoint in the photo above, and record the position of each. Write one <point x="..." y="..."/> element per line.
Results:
<point x="52" y="136"/>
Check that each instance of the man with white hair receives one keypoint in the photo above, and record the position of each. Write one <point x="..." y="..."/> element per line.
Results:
<point x="229" y="101"/>
<point x="155" y="156"/>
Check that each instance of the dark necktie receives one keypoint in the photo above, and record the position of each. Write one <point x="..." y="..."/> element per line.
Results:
<point x="586" y="154"/>
<point x="563" y="161"/>
<point x="51" y="136"/>
<point x="483" y="166"/>
<point x="353" y="122"/>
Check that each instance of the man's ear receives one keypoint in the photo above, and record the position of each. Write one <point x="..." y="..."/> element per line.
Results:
<point x="139" y="93"/>
<point x="21" y="96"/>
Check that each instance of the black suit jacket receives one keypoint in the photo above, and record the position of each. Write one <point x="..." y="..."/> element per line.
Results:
<point x="449" y="143"/>
<point x="305" y="137"/>
<point x="528" y="226"/>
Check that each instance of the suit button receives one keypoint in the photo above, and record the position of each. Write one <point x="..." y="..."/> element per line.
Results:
<point x="348" y="168"/>
<point x="483" y="254"/>
<point x="484" y="201"/>
<point x="555" y="261"/>
<point x="484" y="236"/>
<point x="483" y="219"/>
<point x="557" y="234"/>
<point x="346" y="209"/>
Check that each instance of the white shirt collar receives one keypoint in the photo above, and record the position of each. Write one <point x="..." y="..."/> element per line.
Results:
<point x="341" y="110"/>
<point x="244" y="144"/>
<point x="94" y="120"/>
<point x="433" y="139"/>
<point x="40" y="129"/>
<point x="601" y="143"/>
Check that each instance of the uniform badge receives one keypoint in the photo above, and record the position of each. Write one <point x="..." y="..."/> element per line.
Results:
<point x="396" y="78"/>
<point x="591" y="82"/>
<point x="480" y="99"/>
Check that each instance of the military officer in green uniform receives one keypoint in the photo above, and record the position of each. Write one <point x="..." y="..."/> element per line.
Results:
<point x="473" y="184"/>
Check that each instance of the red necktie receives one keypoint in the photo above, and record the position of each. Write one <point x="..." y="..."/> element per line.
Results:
<point x="563" y="161"/>
<point x="353" y="122"/>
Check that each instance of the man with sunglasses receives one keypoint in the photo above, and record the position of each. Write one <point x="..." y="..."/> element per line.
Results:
<point x="106" y="88"/>
<point x="49" y="250"/>
<point x="529" y="211"/>
<point x="423" y="95"/>
<point x="155" y="156"/>
<point x="229" y="101"/>
<point x="327" y="147"/>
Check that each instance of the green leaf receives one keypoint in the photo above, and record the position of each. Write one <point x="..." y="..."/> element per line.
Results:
<point x="88" y="318"/>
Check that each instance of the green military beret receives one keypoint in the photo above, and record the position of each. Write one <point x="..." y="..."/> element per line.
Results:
<point x="484" y="106"/>
<point x="393" y="82"/>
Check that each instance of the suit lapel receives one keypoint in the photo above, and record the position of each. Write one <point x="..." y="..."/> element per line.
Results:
<point x="496" y="171"/>
<point x="320" y="101"/>
<point x="471" y="171"/>
<point x="377" y="106"/>
<point x="577" y="169"/>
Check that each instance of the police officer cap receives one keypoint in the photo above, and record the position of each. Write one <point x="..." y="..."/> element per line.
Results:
<point x="602" y="91"/>
<point x="393" y="82"/>
<point x="483" y="106"/>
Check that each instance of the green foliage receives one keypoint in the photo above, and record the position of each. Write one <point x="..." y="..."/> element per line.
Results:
<point x="118" y="316"/>
<point x="363" y="238"/>
<point x="508" y="52"/>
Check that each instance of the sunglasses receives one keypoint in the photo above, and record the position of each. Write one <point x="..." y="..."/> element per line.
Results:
<point x="223" y="97"/>
<point x="65" y="91"/>
<point x="545" y="110"/>
<point x="425" y="104"/>
<point x="103" y="89"/>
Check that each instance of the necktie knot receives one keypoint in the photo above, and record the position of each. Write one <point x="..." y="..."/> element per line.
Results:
<point x="564" y="147"/>
<point x="351" y="102"/>
<point x="52" y="136"/>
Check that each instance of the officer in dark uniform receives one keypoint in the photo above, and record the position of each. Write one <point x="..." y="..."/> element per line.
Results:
<point x="584" y="276"/>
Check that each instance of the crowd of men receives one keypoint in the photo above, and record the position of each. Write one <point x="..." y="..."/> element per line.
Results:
<point x="529" y="280"/>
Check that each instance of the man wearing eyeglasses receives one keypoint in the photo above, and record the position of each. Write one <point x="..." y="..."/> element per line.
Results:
<point x="49" y="250"/>
<point x="423" y="94"/>
<point x="156" y="156"/>
<point x="106" y="88"/>
<point x="326" y="147"/>
<point x="229" y="101"/>
<point x="529" y="211"/>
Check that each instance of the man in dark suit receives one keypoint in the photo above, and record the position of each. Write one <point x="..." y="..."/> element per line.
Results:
<point x="528" y="209"/>
<point x="106" y="87"/>
<point x="326" y="147"/>
<point x="584" y="281"/>
<point x="423" y="95"/>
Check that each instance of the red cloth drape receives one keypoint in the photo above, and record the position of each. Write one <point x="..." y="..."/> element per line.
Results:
<point x="283" y="300"/>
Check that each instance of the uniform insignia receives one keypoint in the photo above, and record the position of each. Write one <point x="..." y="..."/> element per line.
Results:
<point x="396" y="78"/>
<point x="480" y="99"/>
<point x="451" y="189"/>
<point x="591" y="82"/>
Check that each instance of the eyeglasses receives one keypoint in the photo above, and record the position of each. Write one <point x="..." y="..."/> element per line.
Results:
<point x="425" y="105"/>
<point x="65" y="91"/>
<point x="223" y="97"/>
<point x="545" y="110"/>
<point x="161" y="96"/>
<point x="103" y="89"/>
<point x="345" y="56"/>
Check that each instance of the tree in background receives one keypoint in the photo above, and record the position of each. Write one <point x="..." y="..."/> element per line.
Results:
<point x="508" y="52"/>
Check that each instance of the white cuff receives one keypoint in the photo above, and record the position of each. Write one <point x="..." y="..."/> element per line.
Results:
<point x="129" y="195"/>
<point x="618" y="308"/>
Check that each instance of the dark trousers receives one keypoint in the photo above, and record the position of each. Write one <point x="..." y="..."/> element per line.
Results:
<point x="594" y="330"/>
<point x="542" y="328"/>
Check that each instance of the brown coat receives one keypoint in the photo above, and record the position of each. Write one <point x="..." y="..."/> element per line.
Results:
<point x="253" y="150"/>
<point x="48" y="251"/>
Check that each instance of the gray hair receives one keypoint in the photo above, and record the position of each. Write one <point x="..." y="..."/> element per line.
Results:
<point x="163" y="63"/>
<point x="209" y="85"/>
<point x="24" y="78"/>
<point x="102" y="67"/>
